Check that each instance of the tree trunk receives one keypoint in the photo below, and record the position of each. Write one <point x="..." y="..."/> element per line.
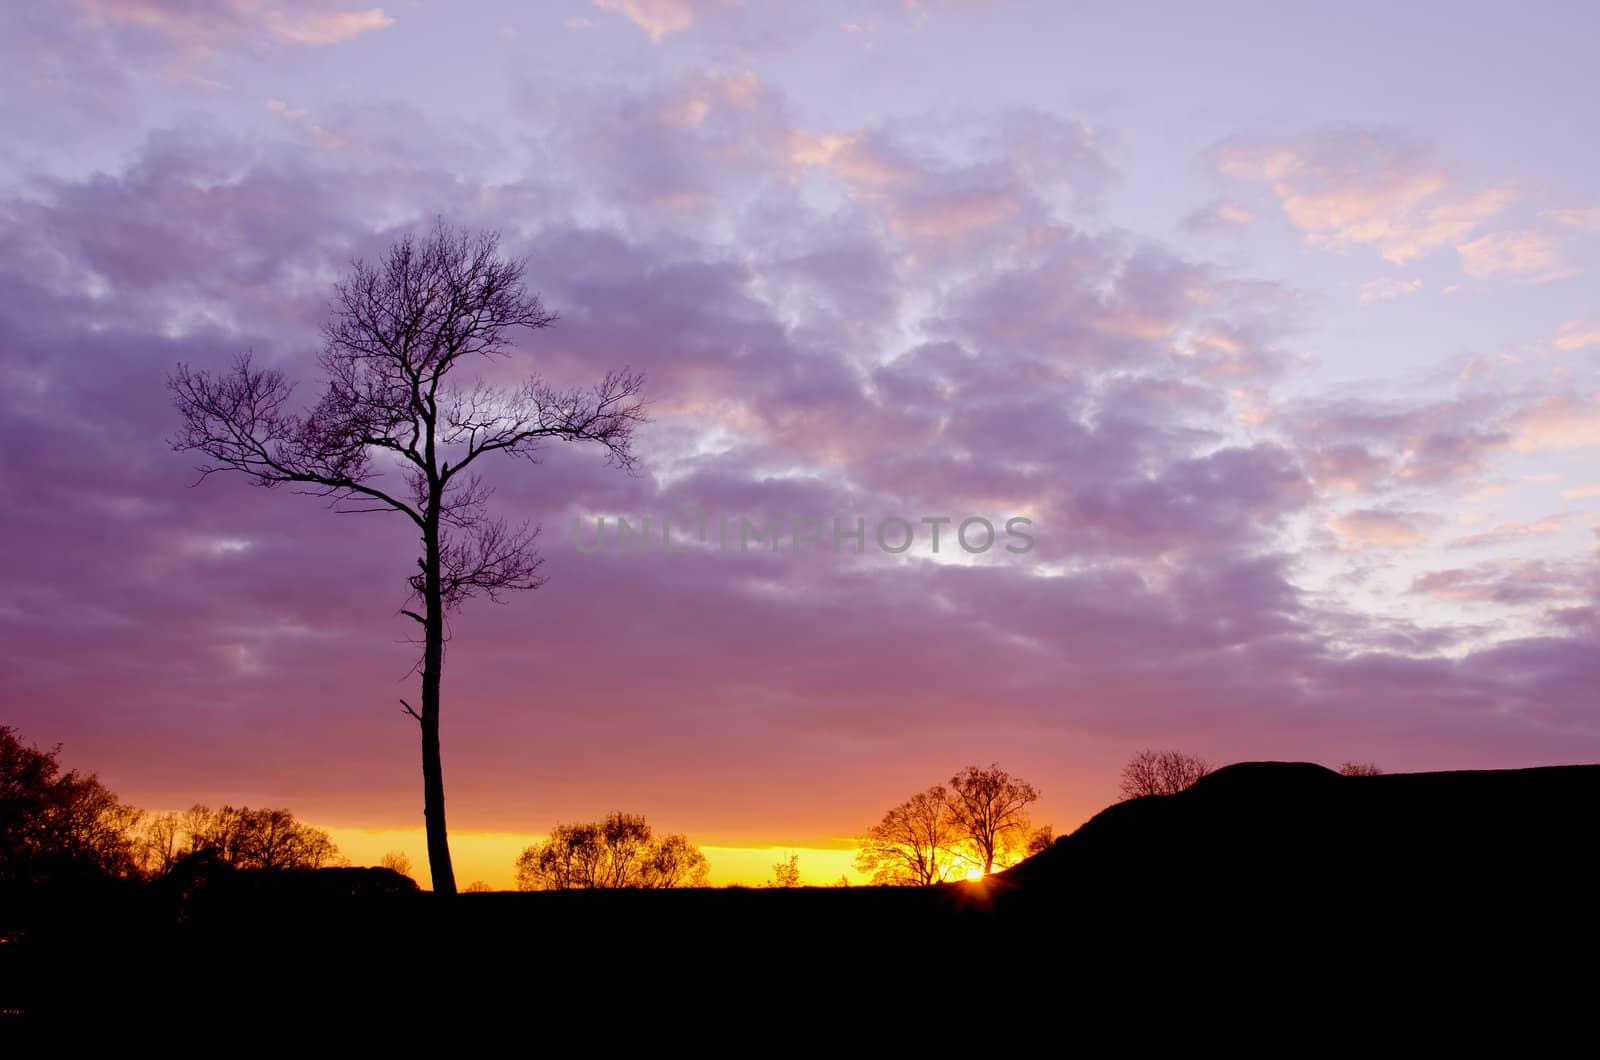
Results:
<point x="443" y="873"/>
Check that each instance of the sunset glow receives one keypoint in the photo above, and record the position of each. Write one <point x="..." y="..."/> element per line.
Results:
<point x="1242" y="360"/>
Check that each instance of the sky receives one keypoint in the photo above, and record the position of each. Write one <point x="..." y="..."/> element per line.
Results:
<point x="1279" y="325"/>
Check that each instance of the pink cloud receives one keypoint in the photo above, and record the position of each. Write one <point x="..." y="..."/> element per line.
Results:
<point x="1584" y="219"/>
<point x="1373" y="528"/>
<point x="1518" y="582"/>
<point x="656" y="17"/>
<point x="1387" y="290"/>
<point x="209" y="27"/>
<point x="1560" y="421"/>
<point x="1579" y="335"/>
<point x="1364" y="188"/>
<point x="1515" y="530"/>
<point x="1519" y="253"/>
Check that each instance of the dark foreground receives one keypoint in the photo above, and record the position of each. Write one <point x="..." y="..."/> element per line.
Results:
<point x="1265" y="885"/>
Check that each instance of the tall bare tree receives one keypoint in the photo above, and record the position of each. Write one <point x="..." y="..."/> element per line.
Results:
<point x="394" y="401"/>
<point x="1161" y="773"/>
<point x="990" y="810"/>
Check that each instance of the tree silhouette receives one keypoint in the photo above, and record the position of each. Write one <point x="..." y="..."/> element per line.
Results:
<point x="1360" y="769"/>
<point x="989" y="810"/>
<point x="397" y="861"/>
<point x="620" y="851"/>
<point x="259" y="839"/>
<point x="786" y="873"/>
<point x="392" y="401"/>
<point x="913" y="844"/>
<point x="160" y="842"/>
<point x="57" y="826"/>
<point x="1040" y="840"/>
<point x="1161" y="773"/>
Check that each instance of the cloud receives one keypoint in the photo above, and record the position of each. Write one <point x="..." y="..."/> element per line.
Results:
<point x="1218" y="217"/>
<point x="1374" y="528"/>
<point x="656" y="17"/>
<point x="1386" y="290"/>
<point x="1360" y="187"/>
<point x="1590" y="490"/>
<point x="214" y="26"/>
<point x="1419" y="443"/>
<point x="1513" y="531"/>
<point x="1519" y="253"/>
<point x="1584" y="219"/>
<point x="1559" y="421"/>
<point x="1579" y="335"/>
<point x="1511" y="582"/>
<point x="319" y="28"/>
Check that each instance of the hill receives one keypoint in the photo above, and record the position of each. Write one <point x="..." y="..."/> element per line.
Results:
<point x="1260" y="846"/>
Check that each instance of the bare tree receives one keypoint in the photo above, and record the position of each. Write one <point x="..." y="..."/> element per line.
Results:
<point x="1161" y="773"/>
<point x="265" y="839"/>
<point x="786" y="873"/>
<point x="396" y="861"/>
<point x="913" y="844"/>
<point x="620" y="851"/>
<point x="392" y="401"/>
<point x="1040" y="840"/>
<point x="673" y="861"/>
<point x="989" y="808"/>
<point x="1360" y="769"/>
<point x="160" y="843"/>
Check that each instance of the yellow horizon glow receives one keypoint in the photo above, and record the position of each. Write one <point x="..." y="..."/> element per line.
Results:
<point x="491" y="857"/>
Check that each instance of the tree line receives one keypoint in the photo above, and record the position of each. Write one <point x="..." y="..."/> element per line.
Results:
<point x="62" y="825"/>
<point x="57" y="825"/>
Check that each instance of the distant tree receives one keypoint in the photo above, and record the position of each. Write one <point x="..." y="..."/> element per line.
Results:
<point x="989" y="810"/>
<point x="265" y="840"/>
<point x="1360" y="769"/>
<point x="58" y="825"/>
<point x="786" y="873"/>
<point x="396" y="860"/>
<point x="160" y="843"/>
<point x="477" y="887"/>
<point x="673" y="861"/>
<point x="402" y="335"/>
<point x="843" y="881"/>
<point x="914" y="844"/>
<point x="1040" y="840"/>
<point x="620" y="851"/>
<point x="1161" y="773"/>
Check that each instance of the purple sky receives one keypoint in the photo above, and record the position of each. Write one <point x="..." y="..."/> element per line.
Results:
<point x="1280" y="325"/>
